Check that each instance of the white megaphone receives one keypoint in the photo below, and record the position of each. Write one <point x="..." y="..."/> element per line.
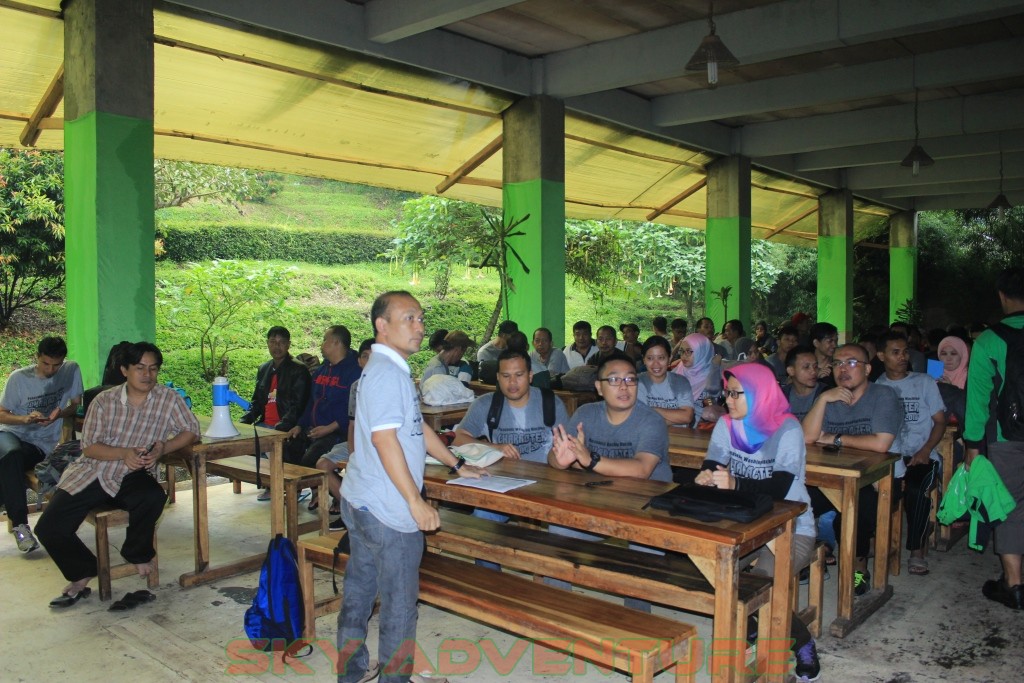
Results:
<point x="221" y="425"/>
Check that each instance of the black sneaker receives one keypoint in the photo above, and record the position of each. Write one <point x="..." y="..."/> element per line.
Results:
<point x="805" y="576"/>
<point x="861" y="582"/>
<point x="998" y="591"/>
<point x="337" y="524"/>
<point x="807" y="666"/>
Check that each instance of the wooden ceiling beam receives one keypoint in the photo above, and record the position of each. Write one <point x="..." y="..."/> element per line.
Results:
<point x="47" y="105"/>
<point x="696" y="187"/>
<point x="792" y="222"/>
<point x="291" y="152"/>
<point x="471" y="164"/>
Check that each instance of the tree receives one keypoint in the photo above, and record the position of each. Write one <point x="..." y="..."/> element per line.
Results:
<point x="436" y="234"/>
<point x="31" y="229"/>
<point x="223" y="303"/>
<point x="592" y="248"/>
<point x="179" y="182"/>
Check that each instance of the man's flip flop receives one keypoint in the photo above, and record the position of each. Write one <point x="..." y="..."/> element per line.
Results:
<point x="131" y="601"/>
<point x="69" y="599"/>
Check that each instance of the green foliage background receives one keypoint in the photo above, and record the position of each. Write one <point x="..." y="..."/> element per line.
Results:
<point x="617" y="272"/>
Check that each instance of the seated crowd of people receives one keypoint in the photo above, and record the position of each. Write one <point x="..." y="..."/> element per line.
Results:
<point x="763" y="398"/>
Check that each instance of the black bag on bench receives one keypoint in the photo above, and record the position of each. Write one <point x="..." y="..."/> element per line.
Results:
<point x="709" y="504"/>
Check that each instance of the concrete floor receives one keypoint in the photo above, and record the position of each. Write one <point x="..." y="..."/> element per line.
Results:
<point x="935" y="628"/>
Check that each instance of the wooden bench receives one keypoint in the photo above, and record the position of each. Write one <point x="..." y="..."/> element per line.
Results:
<point x="585" y="627"/>
<point x="102" y="519"/>
<point x="243" y="468"/>
<point x="671" y="580"/>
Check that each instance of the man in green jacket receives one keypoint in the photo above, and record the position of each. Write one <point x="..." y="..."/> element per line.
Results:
<point x="982" y="433"/>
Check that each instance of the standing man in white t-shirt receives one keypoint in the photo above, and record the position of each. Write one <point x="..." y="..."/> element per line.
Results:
<point x="382" y="504"/>
<point x="34" y="401"/>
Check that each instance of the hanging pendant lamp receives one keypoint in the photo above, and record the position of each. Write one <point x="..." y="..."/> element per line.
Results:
<point x="711" y="53"/>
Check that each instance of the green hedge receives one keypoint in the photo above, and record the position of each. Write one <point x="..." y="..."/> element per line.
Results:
<point x="203" y="243"/>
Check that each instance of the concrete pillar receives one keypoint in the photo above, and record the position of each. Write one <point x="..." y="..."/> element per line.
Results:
<point x="533" y="179"/>
<point x="902" y="260"/>
<point x="835" y="261"/>
<point x="727" y="236"/>
<point x="108" y="177"/>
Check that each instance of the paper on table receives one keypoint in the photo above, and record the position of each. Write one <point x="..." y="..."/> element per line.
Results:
<point x="497" y="484"/>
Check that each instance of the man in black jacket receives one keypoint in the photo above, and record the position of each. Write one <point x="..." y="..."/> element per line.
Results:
<point x="282" y="386"/>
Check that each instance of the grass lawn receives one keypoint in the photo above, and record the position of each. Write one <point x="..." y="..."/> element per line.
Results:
<point x="321" y="296"/>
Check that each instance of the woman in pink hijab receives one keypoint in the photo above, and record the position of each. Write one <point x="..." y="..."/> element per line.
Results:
<point x="697" y="356"/>
<point x="954" y="354"/>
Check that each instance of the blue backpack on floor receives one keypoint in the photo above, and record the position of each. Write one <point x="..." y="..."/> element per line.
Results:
<point x="276" y="620"/>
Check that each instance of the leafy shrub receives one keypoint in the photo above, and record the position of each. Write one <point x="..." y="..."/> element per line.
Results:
<point x="263" y="243"/>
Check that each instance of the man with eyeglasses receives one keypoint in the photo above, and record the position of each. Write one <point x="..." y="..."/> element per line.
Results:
<point x="34" y="401"/>
<point x="618" y="436"/>
<point x="858" y="414"/>
<point x="615" y="437"/>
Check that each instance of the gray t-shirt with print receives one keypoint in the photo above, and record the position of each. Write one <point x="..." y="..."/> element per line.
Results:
<point x="921" y="400"/>
<point x="642" y="432"/>
<point x="879" y="410"/>
<point x="386" y="398"/>
<point x="783" y="451"/>
<point x="673" y="392"/>
<point x="523" y="427"/>
<point x="26" y="391"/>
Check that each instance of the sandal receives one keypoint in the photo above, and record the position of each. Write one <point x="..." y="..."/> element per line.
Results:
<point x="131" y="601"/>
<point x="830" y="557"/>
<point x="918" y="566"/>
<point x="69" y="599"/>
<point x="313" y="504"/>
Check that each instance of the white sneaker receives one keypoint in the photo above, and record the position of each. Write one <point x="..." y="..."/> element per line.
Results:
<point x="26" y="541"/>
<point x="372" y="671"/>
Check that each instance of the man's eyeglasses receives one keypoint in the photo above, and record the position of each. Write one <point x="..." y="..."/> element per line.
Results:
<point x="733" y="394"/>
<point x="629" y="381"/>
<point x="851" y="363"/>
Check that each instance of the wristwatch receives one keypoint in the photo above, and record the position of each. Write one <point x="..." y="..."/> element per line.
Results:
<point x="594" y="459"/>
<point x="454" y="469"/>
<point x="838" y="441"/>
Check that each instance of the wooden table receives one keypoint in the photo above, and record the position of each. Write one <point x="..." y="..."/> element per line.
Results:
<point x="210" y="449"/>
<point x="839" y="476"/>
<point x="439" y="417"/>
<point x="560" y="497"/>
<point x="571" y="399"/>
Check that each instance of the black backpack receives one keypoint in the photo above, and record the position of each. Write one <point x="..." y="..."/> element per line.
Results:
<point x="1010" y="406"/>
<point x="498" y="402"/>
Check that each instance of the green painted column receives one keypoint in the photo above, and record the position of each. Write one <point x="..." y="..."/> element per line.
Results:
<point x="533" y="183"/>
<point x="902" y="260"/>
<point x="727" y="236"/>
<point x="108" y="177"/>
<point x="835" y="261"/>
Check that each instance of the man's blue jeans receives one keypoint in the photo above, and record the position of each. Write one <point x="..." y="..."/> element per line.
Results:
<point x="494" y="517"/>
<point x="385" y="562"/>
